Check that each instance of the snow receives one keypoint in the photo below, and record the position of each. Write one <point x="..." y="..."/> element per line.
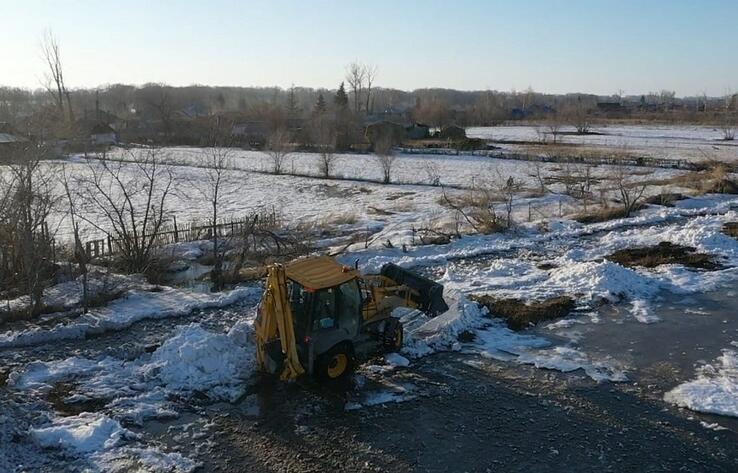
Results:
<point x="568" y="359"/>
<point x="198" y="360"/>
<point x="393" y="393"/>
<point x="122" y="313"/>
<point x="396" y="360"/>
<point x="193" y="359"/>
<point x="84" y="433"/>
<point x="688" y="142"/>
<point x="156" y="461"/>
<point x="714" y="391"/>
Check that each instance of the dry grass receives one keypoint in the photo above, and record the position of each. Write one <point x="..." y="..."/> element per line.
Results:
<point x="344" y="218"/>
<point x="602" y="214"/>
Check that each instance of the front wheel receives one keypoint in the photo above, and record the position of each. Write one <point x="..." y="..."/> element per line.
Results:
<point x="335" y="364"/>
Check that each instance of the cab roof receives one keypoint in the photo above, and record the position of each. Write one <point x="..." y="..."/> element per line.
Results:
<point x="320" y="272"/>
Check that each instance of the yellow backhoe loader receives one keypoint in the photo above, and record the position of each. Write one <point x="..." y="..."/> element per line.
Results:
<point x="319" y="317"/>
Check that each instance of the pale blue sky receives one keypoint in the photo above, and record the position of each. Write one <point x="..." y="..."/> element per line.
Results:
<point x="597" y="46"/>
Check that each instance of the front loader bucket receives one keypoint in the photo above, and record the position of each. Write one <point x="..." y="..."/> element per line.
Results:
<point x="430" y="299"/>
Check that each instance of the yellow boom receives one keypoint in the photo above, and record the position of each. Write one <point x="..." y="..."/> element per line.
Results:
<point x="275" y="321"/>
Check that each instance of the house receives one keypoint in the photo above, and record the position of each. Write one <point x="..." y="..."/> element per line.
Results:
<point x="9" y="141"/>
<point x="102" y="134"/>
<point x="452" y="132"/>
<point x="417" y="131"/>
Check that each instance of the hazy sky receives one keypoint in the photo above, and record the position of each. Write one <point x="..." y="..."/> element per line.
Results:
<point x="598" y="46"/>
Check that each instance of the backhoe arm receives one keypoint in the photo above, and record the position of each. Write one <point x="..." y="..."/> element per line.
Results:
<point x="274" y="321"/>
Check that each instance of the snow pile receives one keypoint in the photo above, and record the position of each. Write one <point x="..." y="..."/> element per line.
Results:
<point x="715" y="391"/>
<point x="84" y="433"/>
<point x="596" y="280"/>
<point x="122" y="313"/>
<point x="198" y="360"/>
<point x="425" y="336"/>
<point x="194" y="359"/>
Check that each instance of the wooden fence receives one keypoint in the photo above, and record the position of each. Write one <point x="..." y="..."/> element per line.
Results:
<point x="172" y="233"/>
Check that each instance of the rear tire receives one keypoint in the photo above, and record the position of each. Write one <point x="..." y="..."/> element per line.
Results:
<point x="393" y="335"/>
<point x="335" y="364"/>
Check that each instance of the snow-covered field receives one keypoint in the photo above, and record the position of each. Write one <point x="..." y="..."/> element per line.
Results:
<point x="215" y="360"/>
<point x="692" y="143"/>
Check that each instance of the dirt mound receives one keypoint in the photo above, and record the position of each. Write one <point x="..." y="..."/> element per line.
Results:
<point x="666" y="199"/>
<point x="731" y="229"/>
<point x="519" y="314"/>
<point x="664" y="253"/>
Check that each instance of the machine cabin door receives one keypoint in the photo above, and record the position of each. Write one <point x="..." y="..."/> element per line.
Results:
<point x="336" y="315"/>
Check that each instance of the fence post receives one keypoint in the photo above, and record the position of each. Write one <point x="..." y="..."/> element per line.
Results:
<point x="176" y="233"/>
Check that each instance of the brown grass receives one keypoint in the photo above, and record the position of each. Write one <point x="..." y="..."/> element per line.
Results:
<point x="600" y="215"/>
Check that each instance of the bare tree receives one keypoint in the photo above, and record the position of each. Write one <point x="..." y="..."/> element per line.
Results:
<point x="279" y="148"/>
<point x="476" y="207"/>
<point x="578" y="116"/>
<point x="218" y="172"/>
<point x="127" y="200"/>
<point x="32" y="199"/>
<point x="728" y="125"/>
<point x="554" y="123"/>
<point x="370" y="74"/>
<point x="385" y="157"/>
<point x="326" y="139"/>
<point x="80" y="253"/>
<point x="433" y="172"/>
<point x="508" y="189"/>
<point x="55" y="84"/>
<point x="631" y="193"/>
<point x="355" y="75"/>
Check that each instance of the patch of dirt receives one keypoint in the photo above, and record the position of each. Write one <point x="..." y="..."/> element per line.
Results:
<point x="601" y="215"/>
<point x="60" y="391"/>
<point x="520" y="315"/>
<point x="666" y="199"/>
<point x="721" y="186"/>
<point x="467" y="336"/>
<point x="546" y="266"/>
<point x="664" y="253"/>
<point x="731" y="229"/>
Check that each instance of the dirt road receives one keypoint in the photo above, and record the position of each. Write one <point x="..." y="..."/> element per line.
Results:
<point x="470" y="415"/>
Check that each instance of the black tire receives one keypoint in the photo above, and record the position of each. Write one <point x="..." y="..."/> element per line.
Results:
<point x="393" y="335"/>
<point x="335" y="364"/>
